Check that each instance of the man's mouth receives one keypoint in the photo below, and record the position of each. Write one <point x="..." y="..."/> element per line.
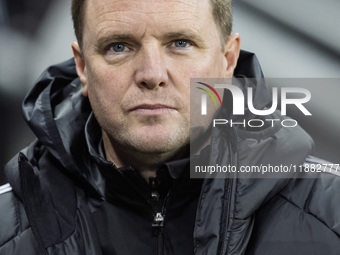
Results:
<point x="152" y="109"/>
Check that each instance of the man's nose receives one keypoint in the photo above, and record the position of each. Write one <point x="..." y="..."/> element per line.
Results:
<point x="151" y="71"/>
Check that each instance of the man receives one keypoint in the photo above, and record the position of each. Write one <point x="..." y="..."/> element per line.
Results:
<point x="109" y="173"/>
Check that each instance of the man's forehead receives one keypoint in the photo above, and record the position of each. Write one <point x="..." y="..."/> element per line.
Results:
<point x="106" y="17"/>
<point x="121" y="5"/>
<point x="168" y="9"/>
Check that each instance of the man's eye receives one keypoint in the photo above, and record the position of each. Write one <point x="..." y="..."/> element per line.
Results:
<point x="118" y="47"/>
<point x="181" y="43"/>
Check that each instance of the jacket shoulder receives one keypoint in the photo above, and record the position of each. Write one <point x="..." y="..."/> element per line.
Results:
<point x="12" y="214"/>
<point x="303" y="218"/>
<point x="317" y="192"/>
<point x="14" y="224"/>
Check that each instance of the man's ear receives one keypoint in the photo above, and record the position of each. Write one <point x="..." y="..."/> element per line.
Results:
<point x="231" y="53"/>
<point x="80" y="66"/>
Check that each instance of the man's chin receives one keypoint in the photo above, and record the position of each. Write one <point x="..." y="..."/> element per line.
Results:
<point x="153" y="143"/>
<point x="159" y="146"/>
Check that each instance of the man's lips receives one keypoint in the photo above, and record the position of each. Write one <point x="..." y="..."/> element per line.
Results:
<point x="152" y="109"/>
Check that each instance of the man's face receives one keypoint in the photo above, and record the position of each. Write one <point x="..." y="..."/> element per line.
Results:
<point x="138" y="58"/>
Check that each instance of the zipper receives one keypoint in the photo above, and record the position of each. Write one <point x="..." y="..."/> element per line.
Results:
<point x="153" y="200"/>
<point x="159" y="215"/>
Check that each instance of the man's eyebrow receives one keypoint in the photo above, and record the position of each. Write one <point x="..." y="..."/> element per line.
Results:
<point x="110" y="38"/>
<point x="183" y="35"/>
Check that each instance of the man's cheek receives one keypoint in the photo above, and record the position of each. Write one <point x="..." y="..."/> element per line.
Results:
<point x="200" y="72"/>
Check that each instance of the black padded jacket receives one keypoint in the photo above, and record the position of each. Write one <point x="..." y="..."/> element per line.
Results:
<point x="54" y="183"/>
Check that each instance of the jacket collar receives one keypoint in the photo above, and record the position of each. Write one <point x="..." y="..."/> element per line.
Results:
<point x="174" y="168"/>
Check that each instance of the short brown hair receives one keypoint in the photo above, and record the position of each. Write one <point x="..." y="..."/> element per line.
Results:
<point x="221" y="10"/>
<point x="222" y="13"/>
<point x="78" y="13"/>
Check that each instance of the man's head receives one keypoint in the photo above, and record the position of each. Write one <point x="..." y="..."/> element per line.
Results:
<point x="135" y="63"/>
<point x="221" y="10"/>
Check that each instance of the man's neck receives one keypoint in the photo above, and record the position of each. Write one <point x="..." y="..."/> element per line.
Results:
<point x="146" y="164"/>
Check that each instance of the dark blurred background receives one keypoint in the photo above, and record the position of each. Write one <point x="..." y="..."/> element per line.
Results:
<point x="292" y="39"/>
<point x="33" y="35"/>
